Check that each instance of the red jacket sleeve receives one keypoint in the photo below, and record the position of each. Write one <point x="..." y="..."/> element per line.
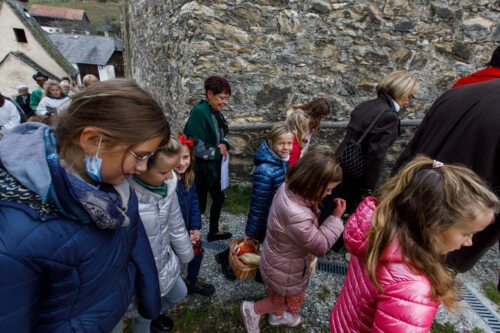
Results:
<point x="295" y="153"/>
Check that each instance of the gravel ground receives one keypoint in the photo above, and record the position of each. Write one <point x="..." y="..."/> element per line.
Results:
<point x="324" y="288"/>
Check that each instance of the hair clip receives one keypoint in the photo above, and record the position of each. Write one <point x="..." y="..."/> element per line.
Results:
<point x="186" y="141"/>
<point x="437" y="164"/>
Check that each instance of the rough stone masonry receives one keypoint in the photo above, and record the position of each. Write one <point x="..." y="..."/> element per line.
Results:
<point x="277" y="52"/>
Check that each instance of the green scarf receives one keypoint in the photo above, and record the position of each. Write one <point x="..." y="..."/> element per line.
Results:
<point x="161" y="189"/>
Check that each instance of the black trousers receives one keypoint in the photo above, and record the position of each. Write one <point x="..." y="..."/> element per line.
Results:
<point x="205" y="183"/>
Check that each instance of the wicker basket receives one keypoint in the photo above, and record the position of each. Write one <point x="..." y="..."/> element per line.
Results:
<point x="241" y="270"/>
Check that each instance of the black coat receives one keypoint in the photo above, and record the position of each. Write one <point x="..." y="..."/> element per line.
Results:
<point x="25" y="105"/>
<point x="375" y="144"/>
<point x="463" y="126"/>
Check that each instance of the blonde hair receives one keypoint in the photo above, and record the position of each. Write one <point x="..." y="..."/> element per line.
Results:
<point x="416" y="206"/>
<point x="310" y="176"/>
<point x="278" y="130"/>
<point x="188" y="176"/>
<point x="50" y="84"/>
<point x="298" y="121"/>
<point x="171" y="149"/>
<point x="398" y="84"/>
<point x="315" y="109"/>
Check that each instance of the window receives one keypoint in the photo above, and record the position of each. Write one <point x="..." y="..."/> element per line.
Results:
<point x="20" y="35"/>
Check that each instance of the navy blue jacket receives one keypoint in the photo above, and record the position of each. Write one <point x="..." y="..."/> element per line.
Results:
<point x="190" y="208"/>
<point x="268" y="175"/>
<point x="60" y="275"/>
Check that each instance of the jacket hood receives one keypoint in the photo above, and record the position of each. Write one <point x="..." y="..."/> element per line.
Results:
<point x="265" y="154"/>
<point x="27" y="161"/>
<point x="357" y="228"/>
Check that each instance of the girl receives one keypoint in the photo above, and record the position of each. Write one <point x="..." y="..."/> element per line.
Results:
<point x="188" y="200"/>
<point x="314" y="112"/>
<point x="73" y="248"/>
<point x="162" y="218"/>
<point x="54" y="102"/>
<point x="293" y="238"/>
<point x="397" y="275"/>
<point x="271" y="164"/>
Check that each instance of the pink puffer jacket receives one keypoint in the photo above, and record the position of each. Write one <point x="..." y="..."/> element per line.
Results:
<point x="404" y="305"/>
<point x="292" y="239"/>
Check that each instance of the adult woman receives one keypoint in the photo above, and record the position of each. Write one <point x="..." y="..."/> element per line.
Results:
<point x="393" y="93"/>
<point x="208" y="128"/>
<point x="73" y="249"/>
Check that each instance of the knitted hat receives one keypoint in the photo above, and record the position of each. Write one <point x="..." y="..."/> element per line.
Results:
<point x="22" y="87"/>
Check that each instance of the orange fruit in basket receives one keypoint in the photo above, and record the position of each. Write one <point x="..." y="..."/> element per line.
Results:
<point x="243" y="248"/>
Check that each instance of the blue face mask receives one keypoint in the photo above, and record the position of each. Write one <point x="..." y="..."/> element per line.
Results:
<point x="93" y="164"/>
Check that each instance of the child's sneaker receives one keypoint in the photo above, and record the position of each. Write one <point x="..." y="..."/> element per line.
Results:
<point x="286" y="318"/>
<point x="250" y="318"/>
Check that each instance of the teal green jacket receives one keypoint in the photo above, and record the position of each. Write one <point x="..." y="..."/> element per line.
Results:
<point x="207" y="135"/>
<point x="36" y="97"/>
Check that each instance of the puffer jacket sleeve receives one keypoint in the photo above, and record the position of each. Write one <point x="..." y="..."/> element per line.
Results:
<point x="262" y="197"/>
<point x="401" y="308"/>
<point x="316" y="240"/>
<point x="179" y="238"/>
<point x="194" y="206"/>
<point x="147" y="284"/>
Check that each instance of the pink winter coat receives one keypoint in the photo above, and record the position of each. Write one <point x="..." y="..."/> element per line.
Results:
<point x="292" y="239"/>
<point x="404" y="305"/>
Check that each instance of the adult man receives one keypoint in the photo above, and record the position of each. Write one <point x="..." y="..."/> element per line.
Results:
<point x="463" y="126"/>
<point x="37" y="93"/>
<point x="492" y="72"/>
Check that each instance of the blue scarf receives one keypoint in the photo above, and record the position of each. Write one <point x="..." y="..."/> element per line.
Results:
<point x="73" y="197"/>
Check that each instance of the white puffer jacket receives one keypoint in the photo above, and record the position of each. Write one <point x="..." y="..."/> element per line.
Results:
<point x="169" y="239"/>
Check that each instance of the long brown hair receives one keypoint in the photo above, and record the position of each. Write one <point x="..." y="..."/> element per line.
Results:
<point x="310" y="176"/>
<point x="315" y="110"/>
<point x="416" y="206"/>
<point x="125" y="113"/>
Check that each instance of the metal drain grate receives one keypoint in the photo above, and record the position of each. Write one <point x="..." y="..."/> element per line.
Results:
<point x="332" y="267"/>
<point x="215" y="246"/>
<point x="491" y="318"/>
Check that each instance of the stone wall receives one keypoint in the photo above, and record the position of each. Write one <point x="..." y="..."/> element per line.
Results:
<point x="277" y="52"/>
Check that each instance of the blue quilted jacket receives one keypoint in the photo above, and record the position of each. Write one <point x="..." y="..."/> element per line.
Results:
<point x="190" y="208"/>
<point x="57" y="273"/>
<point x="268" y="175"/>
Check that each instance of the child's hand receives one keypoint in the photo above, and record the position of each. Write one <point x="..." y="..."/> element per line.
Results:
<point x="248" y="240"/>
<point x="194" y="235"/>
<point x="223" y="150"/>
<point x="340" y="206"/>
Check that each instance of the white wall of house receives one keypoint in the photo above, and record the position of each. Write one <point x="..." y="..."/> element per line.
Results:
<point x="33" y="49"/>
<point x="106" y="72"/>
<point x="13" y="72"/>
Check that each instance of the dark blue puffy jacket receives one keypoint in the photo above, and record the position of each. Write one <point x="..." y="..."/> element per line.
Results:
<point x="190" y="208"/>
<point x="59" y="275"/>
<point x="268" y="175"/>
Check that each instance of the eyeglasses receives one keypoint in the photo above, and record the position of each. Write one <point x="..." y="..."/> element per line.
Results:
<point x="223" y="98"/>
<point x="139" y="159"/>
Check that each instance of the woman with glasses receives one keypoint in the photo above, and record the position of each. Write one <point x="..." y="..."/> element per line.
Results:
<point x="393" y="93"/>
<point x="208" y="128"/>
<point x="73" y="250"/>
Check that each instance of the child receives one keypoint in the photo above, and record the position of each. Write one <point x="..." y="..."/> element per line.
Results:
<point x="73" y="249"/>
<point x="188" y="201"/>
<point x="54" y="101"/>
<point x="162" y="218"/>
<point x="314" y="112"/>
<point x="397" y="275"/>
<point x="271" y="164"/>
<point x="293" y="238"/>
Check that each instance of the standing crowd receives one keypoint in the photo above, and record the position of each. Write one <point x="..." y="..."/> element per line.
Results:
<point x="101" y="203"/>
